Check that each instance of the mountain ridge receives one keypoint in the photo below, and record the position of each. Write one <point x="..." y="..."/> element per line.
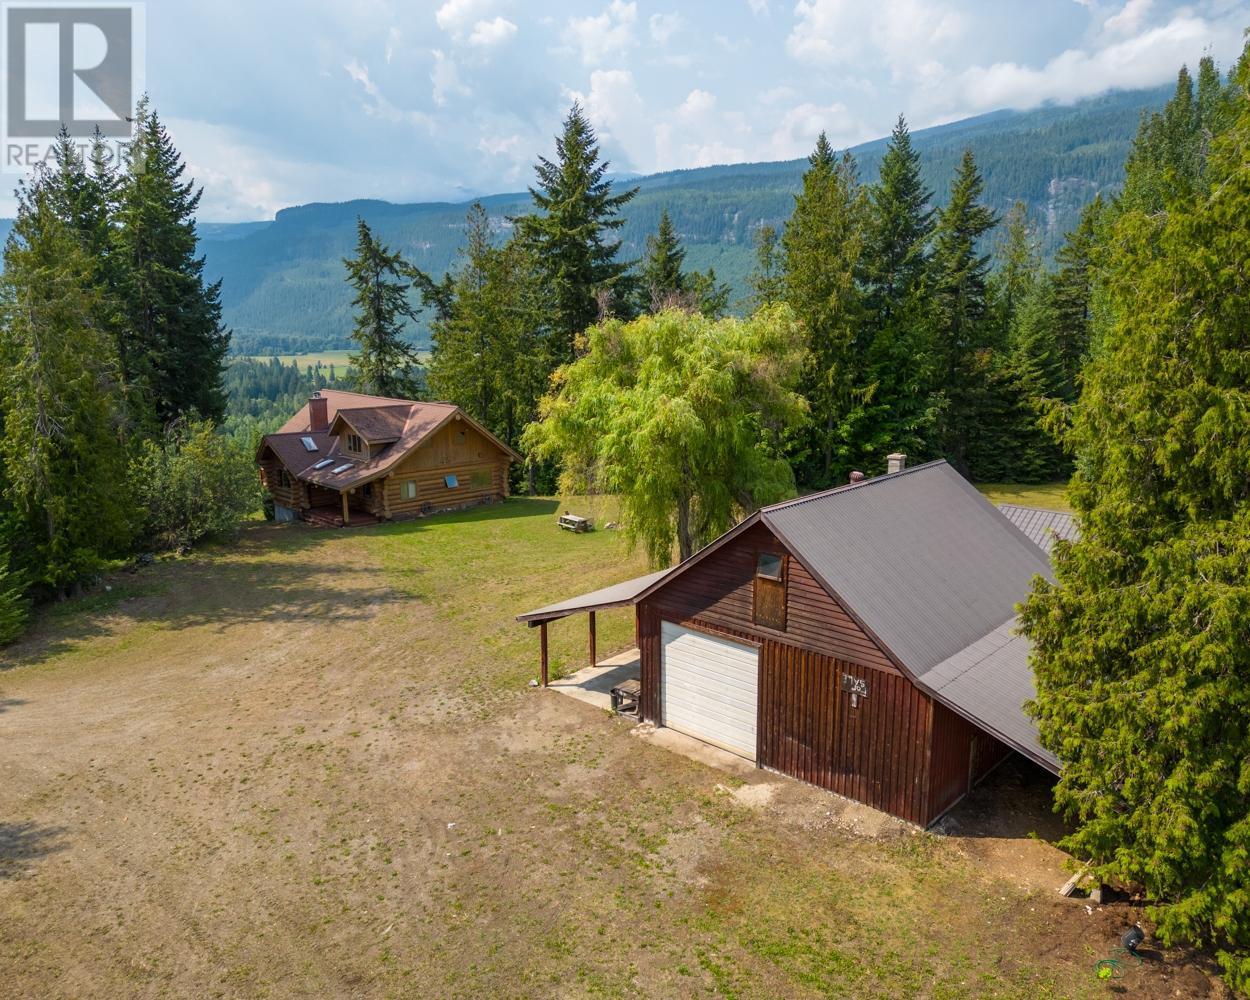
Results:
<point x="283" y="287"/>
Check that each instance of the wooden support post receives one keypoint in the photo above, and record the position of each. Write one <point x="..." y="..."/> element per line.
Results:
<point x="542" y="629"/>
<point x="593" y="658"/>
<point x="346" y="516"/>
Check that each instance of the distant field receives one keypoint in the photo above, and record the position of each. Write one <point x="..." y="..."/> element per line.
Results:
<point x="326" y="358"/>
<point x="340" y="359"/>
<point x="1049" y="496"/>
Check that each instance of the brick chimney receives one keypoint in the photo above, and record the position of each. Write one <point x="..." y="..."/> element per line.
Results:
<point x="318" y="413"/>
<point x="857" y="477"/>
<point x="895" y="463"/>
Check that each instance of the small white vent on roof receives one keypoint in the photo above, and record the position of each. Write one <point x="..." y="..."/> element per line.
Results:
<point x="309" y="444"/>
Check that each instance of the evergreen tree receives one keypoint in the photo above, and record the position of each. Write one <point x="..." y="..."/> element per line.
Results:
<point x="898" y="410"/>
<point x="576" y="211"/>
<point x="960" y="309"/>
<point x="1073" y="297"/>
<point x="767" y="280"/>
<point x="900" y="224"/>
<point x="1019" y="265"/>
<point x="172" y="345"/>
<point x="490" y="350"/>
<point x="1140" y="647"/>
<point x="64" y="464"/>
<point x="822" y="243"/>
<point x="662" y="279"/>
<point x="384" y="362"/>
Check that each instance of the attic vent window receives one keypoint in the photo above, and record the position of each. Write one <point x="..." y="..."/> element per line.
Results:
<point x="451" y="481"/>
<point x="342" y="468"/>
<point x="309" y="444"/>
<point x="769" y="598"/>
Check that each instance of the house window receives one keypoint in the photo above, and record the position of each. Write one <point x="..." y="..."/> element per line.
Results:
<point x="451" y="480"/>
<point x="354" y="443"/>
<point x="409" y="489"/>
<point x="284" y="479"/>
<point x="770" y="590"/>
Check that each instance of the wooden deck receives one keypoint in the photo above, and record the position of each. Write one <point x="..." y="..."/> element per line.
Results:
<point x="332" y="517"/>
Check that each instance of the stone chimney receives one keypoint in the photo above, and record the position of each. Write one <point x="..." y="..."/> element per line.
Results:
<point x="895" y="463"/>
<point x="318" y="413"/>
<point x="857" y="477"/>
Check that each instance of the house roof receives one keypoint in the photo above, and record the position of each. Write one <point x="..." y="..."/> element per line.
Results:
<point x="404" y="423"/>
<point x="1042" y="526"/>
<point x="616" y="596"/>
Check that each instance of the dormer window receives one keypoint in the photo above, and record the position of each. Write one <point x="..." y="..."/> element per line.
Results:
<point x="354" y="443"/>
<point x="770" y="590"/>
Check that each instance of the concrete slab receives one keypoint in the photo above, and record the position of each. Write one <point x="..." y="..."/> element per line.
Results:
<point x="593" y="685"/>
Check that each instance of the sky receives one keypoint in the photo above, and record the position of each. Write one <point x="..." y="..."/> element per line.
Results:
<point x="275" y="103"/>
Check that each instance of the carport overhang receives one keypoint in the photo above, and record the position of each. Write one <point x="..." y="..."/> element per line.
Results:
<point x="618" y="595"/>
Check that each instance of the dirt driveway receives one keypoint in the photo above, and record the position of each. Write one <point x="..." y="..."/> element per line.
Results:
<point x="308" y="763"/>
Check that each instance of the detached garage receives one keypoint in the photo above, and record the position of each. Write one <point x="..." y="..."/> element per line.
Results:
<point x="862" y="639"/>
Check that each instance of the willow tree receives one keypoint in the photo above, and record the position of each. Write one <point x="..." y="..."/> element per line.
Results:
<point x="683" y="417"/>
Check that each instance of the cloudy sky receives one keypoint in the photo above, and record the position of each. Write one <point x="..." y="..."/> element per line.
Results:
<point x="275" y="103"/>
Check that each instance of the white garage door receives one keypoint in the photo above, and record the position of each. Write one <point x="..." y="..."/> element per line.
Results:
<point x="708" y="688"/>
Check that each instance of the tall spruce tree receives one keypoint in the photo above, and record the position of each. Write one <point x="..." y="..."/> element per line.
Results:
<point x="767" y="280"/>
<point x="961" y="326"/>
<point x="823" y="242"/>
<point x="899" y="408"/>
<point x="385" y="362"/>
<point x="1073" y="296"/>
<point x="172" y="343"/>
<point x="576" y="212"/>
<point x="661" y="277"/>
<point x="1141" y="646"/>
<point x="64" y="463"/>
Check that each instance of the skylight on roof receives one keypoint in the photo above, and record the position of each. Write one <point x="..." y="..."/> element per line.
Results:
<point x="309" y="444"/>
<point x="343" y="468"/>
<point x="323" y="463"/>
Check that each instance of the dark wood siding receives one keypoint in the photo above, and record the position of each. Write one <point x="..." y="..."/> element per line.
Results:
<point x="962" y="755"/>
<point x="720" y="588"/>
<point x="875" y="753"/>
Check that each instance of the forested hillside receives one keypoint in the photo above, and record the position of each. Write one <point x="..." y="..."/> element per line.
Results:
<point x="283" y="286"/>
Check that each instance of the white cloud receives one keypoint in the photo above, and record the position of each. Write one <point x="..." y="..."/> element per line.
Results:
<point x="456" y="16"/>
<point x="602" y="36"/>
<point x="902" y="32"/>
<point x="1128" y="20"/>
<point x="697" y="103"/>
<point x="1149" y="58"/>
<point x="392" y="43"/>
<point x="378" y="105"/>
<point x="499" y="145"/>
<point x="795" y="135"/>
<point x="758" y="7"/>
<point x="664" y="26"/>
<point x="446" y="78"/>
<point x="493" y="32"/>
<point x="617" y="112"/>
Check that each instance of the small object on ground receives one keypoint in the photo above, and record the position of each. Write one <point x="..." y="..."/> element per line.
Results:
<point x="145" y="559"/>
<point x="572" y="522"/>
<point x="611" y="526"/>
<point x="533" y="682"/>
<point x="1132" y="939"/>
<point x="1108" y="968"/>
<point x="1069" y="887"/>
<point x="1100" y="894"/>
<point x="625" y="696"/>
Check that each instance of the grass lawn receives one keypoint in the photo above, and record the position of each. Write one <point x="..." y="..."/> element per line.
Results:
<point x="1046" y="495"/>
<point x="307" y="763"/>
<point x="340" y="359"/>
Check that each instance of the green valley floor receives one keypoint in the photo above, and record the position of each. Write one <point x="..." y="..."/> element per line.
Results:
<point x="309" y="762"/>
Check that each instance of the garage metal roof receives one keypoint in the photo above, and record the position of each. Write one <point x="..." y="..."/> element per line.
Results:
<point x="1042" y="526"/>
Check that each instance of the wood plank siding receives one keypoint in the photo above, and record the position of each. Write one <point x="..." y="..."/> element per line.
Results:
<point x="481" y="474"/>
<point x="895" y="748"/>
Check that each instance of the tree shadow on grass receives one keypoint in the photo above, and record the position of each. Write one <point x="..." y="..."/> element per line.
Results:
<point x="22" y="844"/>
<point x="267" y="574"/>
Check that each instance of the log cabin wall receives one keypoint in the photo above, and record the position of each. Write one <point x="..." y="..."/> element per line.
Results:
<point x="481" y="472"/>
<point x="292" y="495"/>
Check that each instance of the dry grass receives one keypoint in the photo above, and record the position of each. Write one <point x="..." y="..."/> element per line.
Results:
<point x="308" y="764"/>
<point x="1049" y="496"/>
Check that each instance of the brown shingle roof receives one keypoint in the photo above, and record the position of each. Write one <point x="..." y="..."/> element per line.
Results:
<point x="404" y="422"/>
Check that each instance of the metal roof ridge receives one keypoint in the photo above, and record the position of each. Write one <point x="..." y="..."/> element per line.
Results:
<point x="846" y="487"/>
